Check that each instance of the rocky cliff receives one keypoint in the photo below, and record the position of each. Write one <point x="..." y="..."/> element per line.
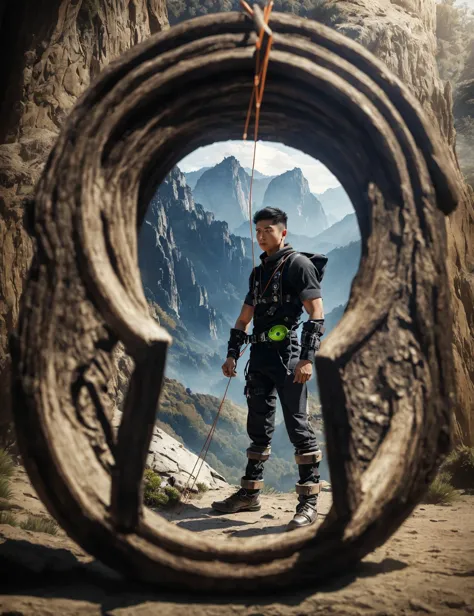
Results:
<point x="224" y="191"/>
<point x="290" y="192"/>
<point x="191" y="264"/>
<point x="54" y="49"/>
<point x="402" y="33"/>
<point x="336" y="204"/>
<point x="464" y="118"/>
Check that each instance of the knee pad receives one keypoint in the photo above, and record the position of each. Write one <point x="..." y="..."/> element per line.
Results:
<point x="258" y="453"/>
<point x="308" y="457"/>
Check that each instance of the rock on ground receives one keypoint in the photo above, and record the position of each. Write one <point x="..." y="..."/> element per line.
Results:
<point x="172" y="461"/>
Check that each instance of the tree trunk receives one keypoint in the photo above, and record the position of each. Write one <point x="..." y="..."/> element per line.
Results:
<point x="55" y="48"/>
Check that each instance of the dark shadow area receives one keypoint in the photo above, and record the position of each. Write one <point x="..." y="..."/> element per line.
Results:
<point x="40" y="571"/>
<point x="211" y="522"/>
<point x="256" y="532"/>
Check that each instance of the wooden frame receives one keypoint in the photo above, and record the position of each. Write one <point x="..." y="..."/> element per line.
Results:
<point x="385" y="373"/>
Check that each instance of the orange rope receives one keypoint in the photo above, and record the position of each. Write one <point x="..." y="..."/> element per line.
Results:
<point x="257" y="97"/>
<point x="260" y="78"/>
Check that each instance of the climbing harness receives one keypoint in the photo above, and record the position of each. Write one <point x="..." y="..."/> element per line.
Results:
<point x="263" y="47"/>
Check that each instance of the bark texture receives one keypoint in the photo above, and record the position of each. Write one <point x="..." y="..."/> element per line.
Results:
<point x="402" y="34"/>
<point x="385" y="374"/>
<point x="54" y="49"/>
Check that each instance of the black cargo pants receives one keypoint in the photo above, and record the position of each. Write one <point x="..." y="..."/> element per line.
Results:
<point x="270" y="372"/>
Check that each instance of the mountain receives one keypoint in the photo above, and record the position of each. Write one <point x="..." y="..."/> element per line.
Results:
<point x="343" y="264"/>
<point x="336" y="203"/>
<point x="195" y="275"/>
<point x="333" y="318"/>
<point x="341" y="233"/>
<point x="290" y="192"/>
<point x="303" y="243"/>
<point x="188" y="416"/>
<point x="256" y="174"/>
<point x="193" y="176"/>
<point x="258" y="192"/>
<point x="224" y="191"/>
<point x="168" y="274"/>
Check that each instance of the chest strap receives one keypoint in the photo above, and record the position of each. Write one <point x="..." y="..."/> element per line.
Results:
<point x="275" y="299"/>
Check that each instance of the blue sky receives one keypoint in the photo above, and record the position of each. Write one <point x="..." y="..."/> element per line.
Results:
<point x="272" y="159"/>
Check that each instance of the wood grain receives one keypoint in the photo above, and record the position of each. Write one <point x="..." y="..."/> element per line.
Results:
<point x="385" y="374"/>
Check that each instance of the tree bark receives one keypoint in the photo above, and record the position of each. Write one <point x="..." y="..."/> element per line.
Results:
<point x="386" y="372"/>
<point x="55" y="48"/>
<point x="402" y="33"/>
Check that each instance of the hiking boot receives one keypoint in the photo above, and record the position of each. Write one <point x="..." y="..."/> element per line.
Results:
<point x="240" y="501"/>
<point x="306" y="514"/>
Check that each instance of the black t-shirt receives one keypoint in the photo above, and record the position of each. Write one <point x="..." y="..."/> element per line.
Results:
<point x="299" y="279"/>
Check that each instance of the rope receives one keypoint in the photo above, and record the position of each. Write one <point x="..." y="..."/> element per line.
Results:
<point x="257" y="93"/>
<point x="260" y="78"/>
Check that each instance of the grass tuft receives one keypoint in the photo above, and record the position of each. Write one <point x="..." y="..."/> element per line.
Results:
<point x="460" y="464"/>
<point x="441" y="491"/>
<point x="5" y="489"/>
<point x="202" y="487"/>
<point x="6" y="465"/>
<point x="7" y="517"/>
<point x="39" y="524"/>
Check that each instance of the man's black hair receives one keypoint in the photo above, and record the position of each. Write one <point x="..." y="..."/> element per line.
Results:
<point x="271" y="213"/>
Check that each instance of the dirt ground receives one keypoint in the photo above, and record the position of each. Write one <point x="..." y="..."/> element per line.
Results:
<point x="427" y="567"/>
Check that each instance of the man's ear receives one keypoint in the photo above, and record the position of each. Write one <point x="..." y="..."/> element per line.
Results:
<point x="284" y="233"/>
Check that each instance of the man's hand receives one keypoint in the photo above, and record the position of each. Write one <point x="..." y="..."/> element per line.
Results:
<point x="303" y="371"/>
<point x="228" y="367"/>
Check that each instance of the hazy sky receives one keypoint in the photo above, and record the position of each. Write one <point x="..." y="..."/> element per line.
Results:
<point x="272" y="159"/>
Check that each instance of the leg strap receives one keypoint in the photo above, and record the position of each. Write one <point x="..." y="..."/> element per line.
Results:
<point x="254" y="454"/>
<point x="250" y="484"/>
<point x="310" y="457"/>
<point x="308" y="489"/>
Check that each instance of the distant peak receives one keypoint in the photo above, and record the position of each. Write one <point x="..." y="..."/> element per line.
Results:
<point x="230" y="160"/>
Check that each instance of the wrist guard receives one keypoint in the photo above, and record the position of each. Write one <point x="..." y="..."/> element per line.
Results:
<point x="236" y="340"/>
<point x="311" y="338"/>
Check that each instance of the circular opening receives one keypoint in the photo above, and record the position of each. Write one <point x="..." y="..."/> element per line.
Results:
<point x="195" y="257"/>
<point x="190" y="87"/>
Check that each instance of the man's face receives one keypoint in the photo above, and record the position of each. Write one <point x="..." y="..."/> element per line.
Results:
<point x="269" y="236"/>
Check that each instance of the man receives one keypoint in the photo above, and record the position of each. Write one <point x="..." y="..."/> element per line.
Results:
<point x="284" y="283"/>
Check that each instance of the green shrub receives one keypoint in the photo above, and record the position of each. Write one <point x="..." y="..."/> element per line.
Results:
<point x="7" y="517"/>
<point x="6" y="465"/>
<point x="157" y="500"/>
<point x="39" y="525"/>
<point x="173" y="495"/>
<point x="202" y="487"/>
<point x="460" y="464"/>
<point x="5" y="489"/>
<point x="441" y="491"/>
<point x="151" y="488"/>
<point x="152" y="480"/>
<point x="156" y="496"/>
